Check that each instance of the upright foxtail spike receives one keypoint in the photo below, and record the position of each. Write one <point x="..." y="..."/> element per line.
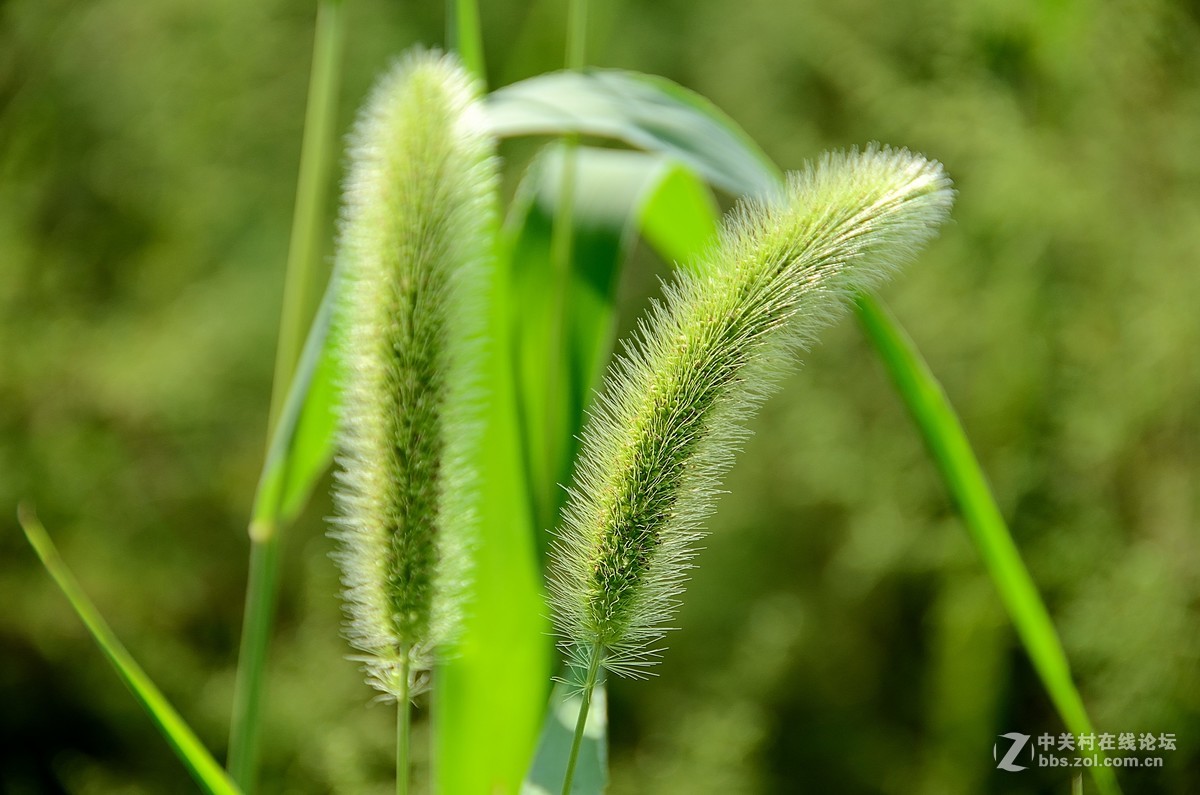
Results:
<point x="673" y="407"/>
<point x="414" y="243"/>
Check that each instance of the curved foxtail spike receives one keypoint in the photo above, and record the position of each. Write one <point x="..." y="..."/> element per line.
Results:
<point x="664" y="428"/>
<point x="415" y="237"/>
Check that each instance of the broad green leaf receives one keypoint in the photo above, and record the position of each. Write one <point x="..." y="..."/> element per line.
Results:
<point x="646" y="112"/>
<point x="680" y="219"/>
<point x="554" y="747"/>
<point x="490" y="693"/>
<point x="302" y="445"/>
<point x="654" y="114"/>
<point x="563" y="325"/>
<point x="199" y="762"/>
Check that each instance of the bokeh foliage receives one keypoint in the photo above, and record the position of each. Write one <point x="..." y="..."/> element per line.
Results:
<point x="840" y="634"/>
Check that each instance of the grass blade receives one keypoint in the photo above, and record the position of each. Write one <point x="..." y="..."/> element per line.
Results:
<point x="199" y="762"/>
<point x="303" y="443"/>
<point x="287" y="493"/>
<point x="488" y="694"/>
<point x="943" y="433"/>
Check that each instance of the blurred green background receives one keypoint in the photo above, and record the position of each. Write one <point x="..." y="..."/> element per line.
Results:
<point x="839" y="635"/>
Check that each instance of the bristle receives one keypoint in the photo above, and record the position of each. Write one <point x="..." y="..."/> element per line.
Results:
<point x="673" y="407"/>
<point x="414" y="243"/>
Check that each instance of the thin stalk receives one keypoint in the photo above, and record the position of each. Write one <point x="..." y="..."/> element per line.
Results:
<point x="577" y="15"/>
<point x="403" y="729"/>
<point x="465" y="36"/>
<point x="302" y="277"/>
<point x="589" y="686"/>
<point x="562" y="244"/>
<point x="252" y="660"/>
<point x="300" y="287"/>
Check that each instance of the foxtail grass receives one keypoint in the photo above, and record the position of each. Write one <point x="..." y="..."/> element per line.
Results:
<point x="414" y="243"/>
<point x="673" y="409"/>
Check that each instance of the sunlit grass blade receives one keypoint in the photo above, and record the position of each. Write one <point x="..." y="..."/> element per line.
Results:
<point x="199" y="762"/>
<point x="952" y="453"/>
<point x="680" y="218"/>
<point x="489" y="693"/>
<point x="302" y="445"/>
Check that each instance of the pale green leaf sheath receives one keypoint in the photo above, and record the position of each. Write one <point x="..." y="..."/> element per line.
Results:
<point x="672" y="410"/>
<point x="414" y="244"/>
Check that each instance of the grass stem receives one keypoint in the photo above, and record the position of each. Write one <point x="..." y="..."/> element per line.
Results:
<point x="577" y="16"/>
<point x="300" y="286"/>
<point x="248" y="691"/>
<point x="403" y="729"/>
<point x="302" y="278"/>
<point x="562" y="244"/>
<point x="465" y="36"/>
<point x="589" y="686"/>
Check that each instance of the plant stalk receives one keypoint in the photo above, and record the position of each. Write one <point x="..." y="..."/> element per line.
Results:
<point x="562" y="244"/>
<point x="589" y="686"/>
<point x="302" y="278"/>
<point x="577" y="15"/>
<point x="465" y="36"/>
<point x="300" y="286"/>
<point x="252" y="659"/>
<point x="403" y="729"/>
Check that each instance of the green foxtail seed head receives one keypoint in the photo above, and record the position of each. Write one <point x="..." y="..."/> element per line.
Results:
<point x="673" y="407"/>
<point x="414" y="244"/>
